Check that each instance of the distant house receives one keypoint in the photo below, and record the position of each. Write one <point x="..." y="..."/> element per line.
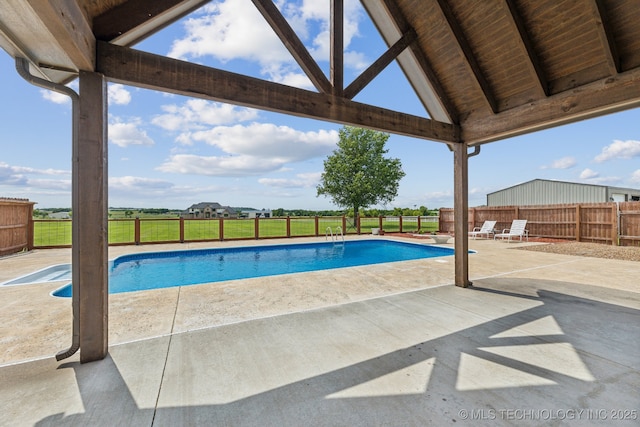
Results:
<point x="254" y="213"/>
<point x="548" y="192"/>
<point x="60" y="215"/>
<point x="209" y="210"/>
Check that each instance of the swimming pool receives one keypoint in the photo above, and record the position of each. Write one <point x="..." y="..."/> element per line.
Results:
<point x="143" y="271"/>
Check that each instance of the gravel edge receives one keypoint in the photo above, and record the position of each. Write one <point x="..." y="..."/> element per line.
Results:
<point x="594" y="250"/>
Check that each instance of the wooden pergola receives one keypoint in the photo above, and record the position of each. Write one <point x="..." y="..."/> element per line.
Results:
<point x="483" y="69"/>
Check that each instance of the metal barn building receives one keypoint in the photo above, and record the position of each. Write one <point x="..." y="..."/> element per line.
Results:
<point x="548" y="192"/>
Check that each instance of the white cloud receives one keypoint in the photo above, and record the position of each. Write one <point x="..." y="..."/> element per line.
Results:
<point x="130" y="182"/>
<point x="199" y="114"/>
<point x="219" y="166"/>
<point x="619" y="150"/>
<point x="51" y="184"/>
<point x="563" y="163"/>
<point x="234" y="29"/>
<point x="588" y="174"/>
<point x="635" y="177"/>
<point x="148" y="191"/>
<point x="230" y="29"/>
<point x="606" y="180"/>
<point x="251" y="150"/>
<point x="268" y="141"/>
<point x="55" y="97"/>
<point x="302" y="180"/>
<point x="594" y="177"/>
<point x="126" y="134"/>
<point x="23" y="176"/>
<point x="118" y="94"/>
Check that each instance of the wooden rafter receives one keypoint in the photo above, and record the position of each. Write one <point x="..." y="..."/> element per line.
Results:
<point x="606" y="36"/>
<point x="337" y="46"/>
<point x="142" y="69"/>
<point x="424" y="64"/>
<point x="380" y="64"/>
<point x="524" y="41"/>
<point x="132" y="15"/>
<point x="608" y="95"/>
<point x="293" y="43"/>
<point x="470" y="59"/>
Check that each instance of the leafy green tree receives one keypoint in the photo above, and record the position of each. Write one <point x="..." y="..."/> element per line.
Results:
<point x="357" y="174"/>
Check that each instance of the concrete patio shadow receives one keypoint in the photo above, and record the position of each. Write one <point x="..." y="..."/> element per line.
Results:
<point x="507" y="351"/>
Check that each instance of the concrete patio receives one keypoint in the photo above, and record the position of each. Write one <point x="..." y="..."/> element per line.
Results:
<point x="540" y="339"/>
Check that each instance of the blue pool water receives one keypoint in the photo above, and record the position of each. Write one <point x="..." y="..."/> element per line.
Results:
<point x="144" y="271"/>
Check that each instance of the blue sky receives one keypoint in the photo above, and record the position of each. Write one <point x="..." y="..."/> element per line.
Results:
<point x="170" y="151"/>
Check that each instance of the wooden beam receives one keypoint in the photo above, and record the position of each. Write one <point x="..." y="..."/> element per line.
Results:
<point x="293" y="43"/>
<point x="380" y="64"/>
<point x="337" y="46"/>
<point x="605" y="96"/>
<point x="90" y="245"/>
<point x="424" y="65"/>
<point x="470" y="59"/>
<point x="524" y="41"/>
<point x="142" y="69"/>
<point x="461" y="214"/>
<point x="605" y="33"/>
<point x="68" y="26"/>
<point x="134" y="20"/>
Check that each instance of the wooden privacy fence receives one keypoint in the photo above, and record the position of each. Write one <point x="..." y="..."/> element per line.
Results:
<point x="616" y="223"/>
<point x="16" y="227"/>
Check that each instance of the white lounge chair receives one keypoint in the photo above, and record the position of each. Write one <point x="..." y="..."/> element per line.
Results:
<point x="486" y="230"/>
<point x="517" y="230"/>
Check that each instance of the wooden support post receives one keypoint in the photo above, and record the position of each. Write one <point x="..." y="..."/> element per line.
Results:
<point x="473" y="219"/>
<point x="614" y="225"/>
<point x="181" y="230"/>
<point x="317" y="227"/>
<point x="136" y="230"/>
<point x="30" y="230"/>
<point x="400" y="223"/>
<point x="461" y="214"/>
<point x="221" y="229"/>
<point x="90" y="210"/>
<point x="256" y="228"/>
<point x="578" y="221"/>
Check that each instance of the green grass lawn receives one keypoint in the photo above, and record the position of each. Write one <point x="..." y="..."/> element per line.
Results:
<point x="153" y="229"/>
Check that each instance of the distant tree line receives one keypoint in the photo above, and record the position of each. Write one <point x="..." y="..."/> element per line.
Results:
<point x="421" y="211"/>
<point x="280" y="212"/>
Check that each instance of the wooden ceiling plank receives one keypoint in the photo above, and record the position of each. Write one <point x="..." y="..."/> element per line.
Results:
<point x="293" y="43"/>
<point x="380" y="64"/>
<point x="424" y="64"/>
<point x="128" y="17"/>
<point x="524" y="41"/>
<point x="605" y="33"/>
<point x="608" y="95"/>
<point x="66" y="23"/>
<point x="470" y="60"/>
<point x="337" y="46"/>
<point x="155" y="72"/>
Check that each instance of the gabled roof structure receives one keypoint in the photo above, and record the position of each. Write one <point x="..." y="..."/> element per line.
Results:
<point x="484" y="70"/>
